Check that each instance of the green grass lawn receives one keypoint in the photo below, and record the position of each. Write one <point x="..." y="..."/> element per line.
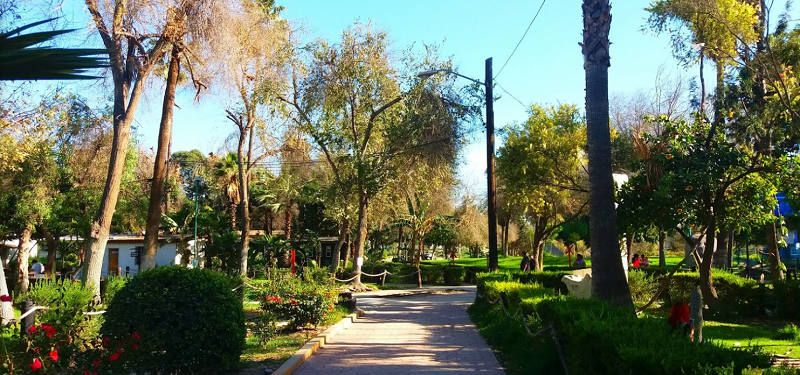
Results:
<point x="511" y="263"/>
<point x="751" y="333"/>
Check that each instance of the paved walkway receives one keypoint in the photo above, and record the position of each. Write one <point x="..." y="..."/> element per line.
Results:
<point x="429" y="334"/>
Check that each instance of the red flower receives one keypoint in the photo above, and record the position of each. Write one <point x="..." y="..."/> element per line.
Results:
<point x="49" y="329"/>
<point x="135" y="346"/>
<point x="54" y="355"/>
<point x="35" y="350"/>
<point x="114" y="357"/>
<point x="32" y="329"/>
<point x="97" y="362"/>
<point x="135" y="336"/>
<point x="105" y="341"/>
<point x="5" y="298"/>
<point x="88" y="373"/>
<point x="36" y="365"/>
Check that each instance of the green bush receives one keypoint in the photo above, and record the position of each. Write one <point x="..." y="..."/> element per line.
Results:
<point x="454" y="275"/>
<point x="597" y="338"/>
<point x="299" y="302"/>
<point x="113" y="285"/>
<point x="786" y="299"/>
<point x="189" y="321"/>
<point x="790" y="333"/>
<point x="643" y="286"/>
<point x="67" y="301"/>
<point x="548" y="279"/>
<point x="737" y="295"/>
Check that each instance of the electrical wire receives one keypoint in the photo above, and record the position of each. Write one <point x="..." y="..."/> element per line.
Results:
<point x="511" y="95"/>
<point x="521" y="39"/>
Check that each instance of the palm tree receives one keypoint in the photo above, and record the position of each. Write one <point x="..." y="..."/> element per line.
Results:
<point x="420" y="224"/>
<point x="227" y="171"/>
<point x="608" y="276"/>
<point x="19" y="60"/>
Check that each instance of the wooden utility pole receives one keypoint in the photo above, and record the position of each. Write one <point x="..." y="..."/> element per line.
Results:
<point x="492" y="183"/>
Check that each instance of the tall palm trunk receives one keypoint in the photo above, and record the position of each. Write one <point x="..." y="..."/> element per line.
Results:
<point x="662" y="256"/>
<point x="287" y="217"/>
<point x="244" y="194"/>
<point x="23" y="253"/>
<point x="160" y="164"/>
<point x="608" y="276"/>
<point x="232" y="211"/>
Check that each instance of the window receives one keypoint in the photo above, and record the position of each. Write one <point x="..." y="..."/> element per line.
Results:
<point x="328" y="251"/>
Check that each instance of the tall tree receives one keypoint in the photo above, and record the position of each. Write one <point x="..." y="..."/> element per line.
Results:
<point x="256" y="49"/>
<point x="608" y="282"/>
<point x="135" y="41"/>
<point x="541" y="165"/>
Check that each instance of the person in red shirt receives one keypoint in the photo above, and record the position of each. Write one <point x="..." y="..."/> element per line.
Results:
<point x="679" y="318"/>
<point x="636" y="261"/>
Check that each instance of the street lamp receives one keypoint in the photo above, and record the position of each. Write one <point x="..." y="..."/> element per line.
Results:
<point x="491" y="181"/>
<point x="197" y="182"/>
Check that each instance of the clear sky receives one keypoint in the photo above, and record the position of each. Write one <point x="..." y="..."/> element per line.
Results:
<point x="547" y="67"/>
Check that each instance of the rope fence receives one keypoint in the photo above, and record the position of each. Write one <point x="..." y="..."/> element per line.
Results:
<point x="42" y="308"/>
<point x="550" y="328"/>
<point x="382" y="274"/>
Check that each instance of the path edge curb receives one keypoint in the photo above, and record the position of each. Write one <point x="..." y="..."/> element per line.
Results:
<point x="316" y="343"/>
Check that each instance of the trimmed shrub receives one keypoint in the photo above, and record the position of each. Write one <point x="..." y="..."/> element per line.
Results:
<point x="790" y="332"/>
<point x="736" y="294"/>
<point x="547" y="279"/>
<point x="600" y="339"/>
<point x="787" y="298"/>
<point x="454" y="275"/>
<point x="188" y="321"/>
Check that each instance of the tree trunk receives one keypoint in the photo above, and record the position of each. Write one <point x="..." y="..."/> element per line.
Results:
<point x="662" y="256"/>
<point x="348" y="250"/>
<point x="360" y="237"/>
<point x="720" y="259"/>
<point x="773" y="251"/>
<point x="232" y="209"/>
<point x="538" y="244"/>
<point x="23" y="252"/>
<point x="608" y="277"/>
<point x="344" y="228"/>
<point x="126" y="101"/>
<point x="244" y="194"/>
<point x="52" y="247"/>
<point x="706" y="280"/>
<point x="629" y="246"/>
<point x="160" y="165"/>
<point x="287" y="217"/>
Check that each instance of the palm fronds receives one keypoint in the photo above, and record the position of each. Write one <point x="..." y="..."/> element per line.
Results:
<point x="20" y="60"/>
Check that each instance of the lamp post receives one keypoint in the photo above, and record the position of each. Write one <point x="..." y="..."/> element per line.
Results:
<point x="197" y="182"/>
<point x="491" y="181"/>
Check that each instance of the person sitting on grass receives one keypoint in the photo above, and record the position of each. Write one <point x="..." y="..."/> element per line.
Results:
<point x="579" y="262"/>
<point x="636" y="261"/>
<point x="679" y="318"/>
<point x="644" y="261"/>
<point x="525" y="264"/>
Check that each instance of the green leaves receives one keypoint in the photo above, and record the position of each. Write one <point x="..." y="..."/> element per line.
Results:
<point x="20" y="60"/>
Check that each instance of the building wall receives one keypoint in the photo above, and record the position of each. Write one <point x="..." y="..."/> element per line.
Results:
<point x="165" y="256"/>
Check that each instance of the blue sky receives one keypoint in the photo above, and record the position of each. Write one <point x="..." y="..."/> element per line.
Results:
<point x="547" y="67"/>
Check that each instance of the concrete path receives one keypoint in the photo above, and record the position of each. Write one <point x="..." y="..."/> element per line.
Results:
<point x="429" y="333"/>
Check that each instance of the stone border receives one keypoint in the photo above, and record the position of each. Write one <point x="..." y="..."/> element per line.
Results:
<point x="312" y="346"/>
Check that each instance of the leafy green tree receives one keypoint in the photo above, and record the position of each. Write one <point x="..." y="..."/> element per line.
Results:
<point x="421" y="223"/>
<point x="351" y="103"/>
<point x="701" y="186"/>
<point x="541" y="166"/>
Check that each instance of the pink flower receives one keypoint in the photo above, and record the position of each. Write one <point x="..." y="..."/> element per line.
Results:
<point x="36" y="365"/>
<point x="54" y="355"/>
<point x="5" y="298"/>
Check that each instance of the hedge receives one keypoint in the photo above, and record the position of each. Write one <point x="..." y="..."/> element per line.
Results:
<point x="597" y="338"/>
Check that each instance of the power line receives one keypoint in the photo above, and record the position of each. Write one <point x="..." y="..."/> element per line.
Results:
<point x="511" y="95"/>
<point x="520" y="39"/>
